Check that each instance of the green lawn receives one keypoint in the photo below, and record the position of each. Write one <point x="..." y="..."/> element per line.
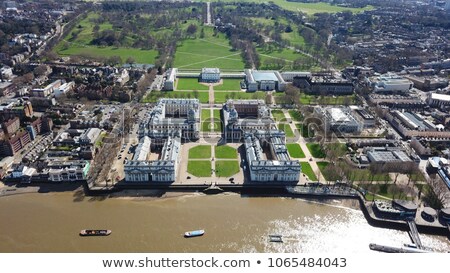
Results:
<point x="216" y="113"/>
<point x="308" y="8"/>
<point x="200" y="151"/>
<point x="295" y="115"/>
<point x="206" y="126"/>
<point x="226" y="168"/>
<point x="206" y="114"/>
<point x="286" y="128"/>
<point x="315" y="150"/>
<point x="384" y="192"/>
<point x="295" y="150"/>
<point x="354" y="175"/>
<point x="82" y="46"/>
<point x="139" y="55"/>
<point x="212" y="51"/>
<point x="327" y="173"/>
<point x="229" y="85"/>
<point x="221" y="96"/>
<point x="217" y="125"/>
<point x="278" y="115"/>
<point x="199" y="168"/>
<point x="303" y="129"/>
<point x="203" y="96"/>
<point x="190" y="84"/>
<point x="308" y="171"/>
<point x="225" y="152"/>
<point x="340" y="148"/>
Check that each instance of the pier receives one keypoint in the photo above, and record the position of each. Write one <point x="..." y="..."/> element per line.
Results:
<point x="392" y="249"/>
<point x="414" y="234"/>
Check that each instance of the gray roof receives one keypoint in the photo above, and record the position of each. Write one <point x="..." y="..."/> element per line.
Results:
<point x="264" y="76"/>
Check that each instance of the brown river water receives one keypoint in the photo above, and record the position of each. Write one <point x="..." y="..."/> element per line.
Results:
<point x="51" y="222"/>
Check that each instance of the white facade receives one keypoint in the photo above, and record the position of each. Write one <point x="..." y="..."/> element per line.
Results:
<point x="210" y="75"/>
<point x="289" y="76"/>
<point x="391" y="83"/>
<point x="438" y="100"/>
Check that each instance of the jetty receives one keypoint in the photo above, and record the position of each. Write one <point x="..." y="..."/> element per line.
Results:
<point x="414" y="234"/>
<point x="392" y="249"/>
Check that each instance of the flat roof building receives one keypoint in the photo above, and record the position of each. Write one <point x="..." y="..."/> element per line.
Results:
<point x="264" y="80"/>
<point x="339" y="119"/>
<point x="390" y="83"/>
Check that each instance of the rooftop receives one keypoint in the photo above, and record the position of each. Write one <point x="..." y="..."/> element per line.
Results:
<point x="264" y="76"/>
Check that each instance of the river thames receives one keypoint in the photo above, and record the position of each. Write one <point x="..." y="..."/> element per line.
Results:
<point x="51" y="222"/>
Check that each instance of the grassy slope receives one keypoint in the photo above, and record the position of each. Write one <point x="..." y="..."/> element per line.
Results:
<point x="207" y="52"/>
<point x="81" y="45"/>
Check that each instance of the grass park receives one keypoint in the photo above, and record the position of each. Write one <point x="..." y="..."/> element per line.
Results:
<point x="229" y="85"/>
<point x="295" y="115"/>
<point x="356" y="174"/>
<point x="226" y="168"/>
<point x="278" y="115"/>
<point x="308" y="8"/>
<point x="210" y="51"/>
<point x="304" y="130"/>
<point x="200" y="152"/>
<point x="190" y="84"/>
<point x="81" y="45"/>
<point x="199" y="168"/>
<point x="295" y="150"/>
<point x="315" y="150"/>
<point x="308" y="171"/>
<point x="206" y="114"/>
<point x="225" y="151"/>
<point x="286" y="128"/>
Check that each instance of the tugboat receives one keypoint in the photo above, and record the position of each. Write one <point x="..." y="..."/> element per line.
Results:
<point x="194" y="233"/>
<point x="95" y="232"/>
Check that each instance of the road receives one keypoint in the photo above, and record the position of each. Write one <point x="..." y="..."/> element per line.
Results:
<point x="208" y="14"/>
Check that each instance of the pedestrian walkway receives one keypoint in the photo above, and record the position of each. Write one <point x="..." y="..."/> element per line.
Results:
<point x="302" y="142"/>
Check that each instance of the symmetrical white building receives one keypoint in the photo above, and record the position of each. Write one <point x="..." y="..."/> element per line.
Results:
<point x="240" y="116"/>
<point x="171" y="117"/>
<point x="162" y="170"/>
<point x="210" y="75"/>
<point x="279" y="168"/>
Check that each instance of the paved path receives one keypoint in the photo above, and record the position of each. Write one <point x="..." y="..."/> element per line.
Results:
<point x="302" y="142"/>
<point x="208" y="14"/>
